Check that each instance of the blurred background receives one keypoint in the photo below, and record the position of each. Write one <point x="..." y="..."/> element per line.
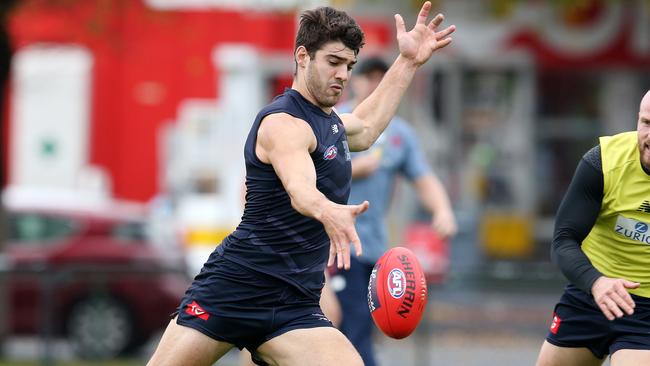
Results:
<point x="122" y="132"/>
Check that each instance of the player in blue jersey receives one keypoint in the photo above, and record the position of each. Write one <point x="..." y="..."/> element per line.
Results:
<point x="374" y="172"/>
<point x="260" y="288"/>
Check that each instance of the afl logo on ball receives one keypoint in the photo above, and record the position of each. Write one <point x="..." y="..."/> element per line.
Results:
<point x="396" y="283"/>
<point x="330" y="153"/>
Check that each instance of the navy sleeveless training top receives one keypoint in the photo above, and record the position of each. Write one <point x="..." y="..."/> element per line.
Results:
<point x="273" y="238"/>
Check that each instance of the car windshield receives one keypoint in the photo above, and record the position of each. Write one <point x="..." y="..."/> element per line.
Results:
<point x="37" y="228"/>
<point x="133" y="230"/>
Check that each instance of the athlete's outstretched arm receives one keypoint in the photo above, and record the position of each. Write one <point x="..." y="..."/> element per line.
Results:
<point x="364" y="125"/>
<point x="285" y="142"/>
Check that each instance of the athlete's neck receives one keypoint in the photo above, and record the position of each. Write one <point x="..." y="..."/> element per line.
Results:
<point x="645" y="169"/>
<point x="304" y="91"/>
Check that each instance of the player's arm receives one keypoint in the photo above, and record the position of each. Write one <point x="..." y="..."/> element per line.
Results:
<point x="364" y="165"/>
<point x="366" y="122"/>
<point x="285" y="142"/>
<point x="431" y="192"/>
<point x="434" y="197"/>
<point x="575" y="218"/>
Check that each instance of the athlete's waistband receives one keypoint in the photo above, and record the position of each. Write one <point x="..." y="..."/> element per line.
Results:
<point x="316" y="279"/>
<point x="574" y="290"/>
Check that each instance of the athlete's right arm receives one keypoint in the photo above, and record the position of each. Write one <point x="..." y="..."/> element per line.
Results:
<point x="285" y="142"/>
<point x="575" y="218"/>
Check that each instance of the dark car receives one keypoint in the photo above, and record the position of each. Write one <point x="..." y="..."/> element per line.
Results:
<point x="90" y="275"/>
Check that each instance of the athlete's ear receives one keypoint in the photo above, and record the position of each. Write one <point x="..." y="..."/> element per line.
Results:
<point x="301" y="55"/>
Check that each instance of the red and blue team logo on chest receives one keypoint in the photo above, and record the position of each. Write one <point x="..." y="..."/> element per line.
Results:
<point x="330" y="153"/>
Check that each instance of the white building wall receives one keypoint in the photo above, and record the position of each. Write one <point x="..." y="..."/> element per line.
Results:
<point x="49" y="120"/>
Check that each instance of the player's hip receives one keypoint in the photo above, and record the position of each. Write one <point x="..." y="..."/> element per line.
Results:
<point x="578" y="322"/>
<point x="225" y="284"/>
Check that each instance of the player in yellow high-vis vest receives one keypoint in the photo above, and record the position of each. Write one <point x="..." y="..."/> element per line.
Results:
<point x="602" y="245"/>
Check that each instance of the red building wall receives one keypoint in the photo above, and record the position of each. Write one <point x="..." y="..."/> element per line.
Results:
<point x="145" y="63"/>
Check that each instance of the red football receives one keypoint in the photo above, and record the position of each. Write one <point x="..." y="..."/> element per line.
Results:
<point x="397" y="293"/>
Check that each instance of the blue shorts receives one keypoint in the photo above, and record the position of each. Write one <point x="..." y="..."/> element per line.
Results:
<point x="233" y="304"/>
<point x="578" y="322"/>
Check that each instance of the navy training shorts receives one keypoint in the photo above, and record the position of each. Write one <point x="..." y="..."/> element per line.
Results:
<point x="231" y="303"/>
<point x="578" y="322"/>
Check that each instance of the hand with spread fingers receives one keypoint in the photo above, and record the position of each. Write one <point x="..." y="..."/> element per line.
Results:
<point x="420" y="42"/>
<point x="339" y="226"/>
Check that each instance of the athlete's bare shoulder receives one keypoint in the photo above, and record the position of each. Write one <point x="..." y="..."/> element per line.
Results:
<point x="282" y="130"/>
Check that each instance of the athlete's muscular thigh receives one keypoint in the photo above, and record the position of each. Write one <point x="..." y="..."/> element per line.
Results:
<point x="631" y="357"/>
<point x="184" y="346"/>
<point x="551" y="355"/>
<point x="310" y="347"/>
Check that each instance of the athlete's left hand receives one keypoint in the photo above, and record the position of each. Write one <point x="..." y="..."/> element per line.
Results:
<point x="419" y="43"/>
<point x="612" y="297"/>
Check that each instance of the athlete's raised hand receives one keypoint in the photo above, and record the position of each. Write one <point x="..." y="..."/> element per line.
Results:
<point x="419" y="43"/>
<point x="338" y="221"/>
<point x="612" y="297"/>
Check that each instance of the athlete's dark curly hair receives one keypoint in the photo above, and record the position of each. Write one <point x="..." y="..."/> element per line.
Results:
<point x="325" y="24"/>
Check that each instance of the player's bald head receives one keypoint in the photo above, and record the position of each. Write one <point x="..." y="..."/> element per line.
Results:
<point x="645" y="103"/>
<point x="643" y="131"/>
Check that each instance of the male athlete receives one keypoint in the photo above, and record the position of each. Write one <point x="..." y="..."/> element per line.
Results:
<point x="602" y="245"/>
<point x="260" y="288"/>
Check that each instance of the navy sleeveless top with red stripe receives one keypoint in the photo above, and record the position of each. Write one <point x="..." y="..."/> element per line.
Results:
<point x="273" y="238"/>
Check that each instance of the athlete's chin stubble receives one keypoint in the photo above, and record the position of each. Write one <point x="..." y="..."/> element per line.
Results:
<point x="322" y="99"/>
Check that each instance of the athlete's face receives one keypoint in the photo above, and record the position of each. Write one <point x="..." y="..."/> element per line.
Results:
<point x="643" y="131"/>
<point x="328" y="73"/>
